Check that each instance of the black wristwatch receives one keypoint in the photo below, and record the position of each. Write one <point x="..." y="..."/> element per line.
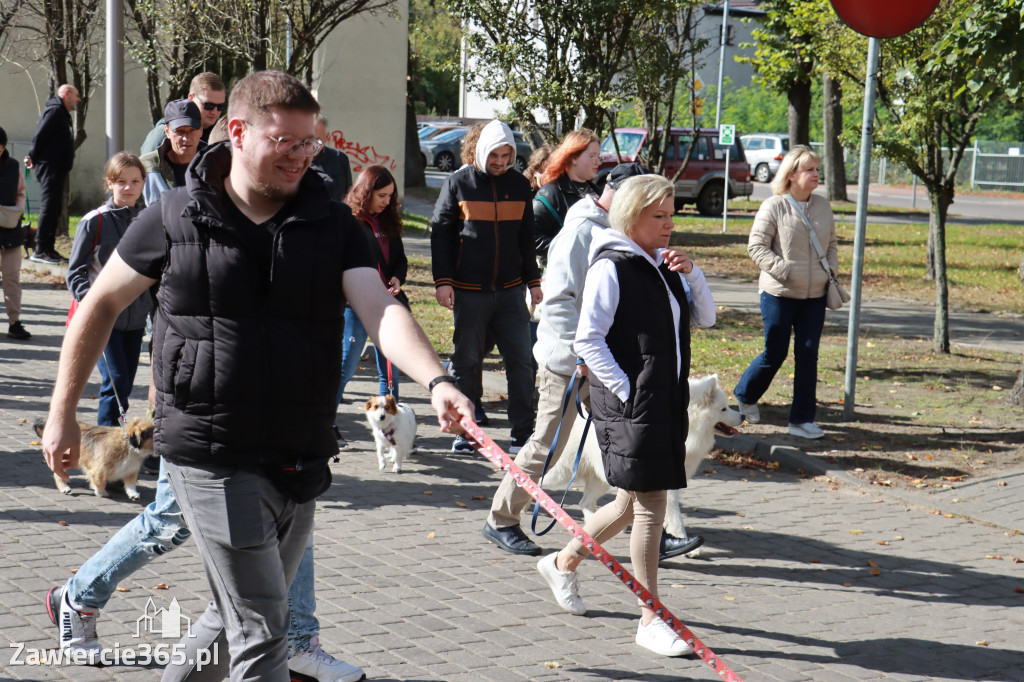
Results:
<point x="444" y="378"/>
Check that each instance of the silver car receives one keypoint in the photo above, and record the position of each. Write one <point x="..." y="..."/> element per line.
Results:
<point x="764" y="153"/>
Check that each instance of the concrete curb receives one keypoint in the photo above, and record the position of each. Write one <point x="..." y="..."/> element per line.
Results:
<point x="786" y="457"/>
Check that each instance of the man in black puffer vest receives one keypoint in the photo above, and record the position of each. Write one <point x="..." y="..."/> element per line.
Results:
<point x="252" y="265"/>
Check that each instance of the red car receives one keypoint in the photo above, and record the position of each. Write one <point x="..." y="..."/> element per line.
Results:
<point x="702" y="181"/>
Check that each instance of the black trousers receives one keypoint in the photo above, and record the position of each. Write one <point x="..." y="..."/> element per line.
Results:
<point x="51" y="186"/>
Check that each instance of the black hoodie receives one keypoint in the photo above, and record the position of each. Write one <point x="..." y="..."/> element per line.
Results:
<point x="54" y="143"/>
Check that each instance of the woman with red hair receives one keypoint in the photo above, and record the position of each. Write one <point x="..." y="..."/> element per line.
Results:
<point x="565" y="181"/>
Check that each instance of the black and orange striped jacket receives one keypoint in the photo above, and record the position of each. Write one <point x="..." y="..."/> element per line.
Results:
<point x="482" y="232"/>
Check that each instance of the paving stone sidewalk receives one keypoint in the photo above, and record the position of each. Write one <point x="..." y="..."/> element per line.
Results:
<point x="802" y="578"/>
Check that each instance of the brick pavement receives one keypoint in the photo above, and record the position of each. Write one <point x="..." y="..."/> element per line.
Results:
<point x="409" y="590"/>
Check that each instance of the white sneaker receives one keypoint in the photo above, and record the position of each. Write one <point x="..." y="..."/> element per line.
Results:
<point x="750" y="412"/>
<point x="565" y="585"/>
<point x="661" y="639"/>
<point x="76" y="632"/>
<point x="808" y="430"/>
<point x="316" y="663"/>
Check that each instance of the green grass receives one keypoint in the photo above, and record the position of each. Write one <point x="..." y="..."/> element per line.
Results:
<point x="982" y="261"/>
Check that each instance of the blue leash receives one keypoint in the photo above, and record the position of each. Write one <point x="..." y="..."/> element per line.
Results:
<point x="554" y="444"/>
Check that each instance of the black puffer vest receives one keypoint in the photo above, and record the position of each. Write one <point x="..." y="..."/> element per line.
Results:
<point x="247" y="366"/>
<point x="10" y="237"/>
<point x="643" y="442"/>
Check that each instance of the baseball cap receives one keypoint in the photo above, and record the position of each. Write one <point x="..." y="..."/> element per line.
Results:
<point x="623" y="172"/>
<point x="182" y="112"/>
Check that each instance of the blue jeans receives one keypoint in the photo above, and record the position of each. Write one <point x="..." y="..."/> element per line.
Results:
<point x="352" y="347"/>
<point x="159" y="529"/>
<point x="805" y="319"/>
<point x="503" y="316"/>
<point x="302" y="603"/>
<point x="117" y="366"/>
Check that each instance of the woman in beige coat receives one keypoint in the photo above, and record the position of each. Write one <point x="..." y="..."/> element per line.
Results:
<point x="792" y="287"/>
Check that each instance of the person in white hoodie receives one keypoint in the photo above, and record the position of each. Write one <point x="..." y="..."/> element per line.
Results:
<point x="557" y="361"/>
<point x="634" y="336"/>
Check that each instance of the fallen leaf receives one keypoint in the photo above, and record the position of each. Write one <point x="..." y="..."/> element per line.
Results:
<point x="997" y="387"/>
<point x="428" y="492"/>
<point x="430" y="536"/>
<point x="748" y="528"/>
<point x="1019" y="590"/>
<point x="478" y="497"/>
<point x="981" y="642"/>
<point x="815" y="561"/>
<point x="875" y="571"/>
<point x="847" y="584"/>
<point x="460" y="504"/>
<point x="948" y="516"/>
<point x="1001" y="484"/>
<point x="857" y="532"/>
<point x="63" y="523"/>
<point x="993" y="556"/>
<point x="552" y="664"/>
<point x="122" y="588"/>
<point x="739" y="514"/>
<point x="1017" y="560"/>
<point x="872" y="563"/>
<point x="898" y="537"/>
<point x="883" y="543"/>
<point x="728" y="598"/>
<point x="35" y="442"/>
<point x="161" y="586"/>
<point x="22" y="421"/>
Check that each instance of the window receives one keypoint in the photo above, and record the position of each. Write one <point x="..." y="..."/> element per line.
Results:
<point x="734" y="150"/>
<point x="754" y="143"/>
<point x="629" y="144"/>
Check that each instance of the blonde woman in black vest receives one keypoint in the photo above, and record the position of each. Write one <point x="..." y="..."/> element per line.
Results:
<point x="634" y="336"/>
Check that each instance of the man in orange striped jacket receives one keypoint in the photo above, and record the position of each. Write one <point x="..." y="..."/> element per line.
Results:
<point x="483" y="255"/>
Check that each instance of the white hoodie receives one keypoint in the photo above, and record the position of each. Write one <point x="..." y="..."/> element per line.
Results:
<point x="494" y="135"/>
<point x="601" y="300"/>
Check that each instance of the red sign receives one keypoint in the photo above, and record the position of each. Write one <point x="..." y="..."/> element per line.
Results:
<point x="884" y="18"/>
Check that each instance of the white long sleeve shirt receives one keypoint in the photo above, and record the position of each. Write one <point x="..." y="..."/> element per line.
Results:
<point x="601" y="300"/>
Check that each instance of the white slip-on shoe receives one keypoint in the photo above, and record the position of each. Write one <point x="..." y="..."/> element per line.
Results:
<point x="564" y="585"/>
<point x="661" y="639"/>
<point x="750" y="412"/>
<point x="809" y="430"/>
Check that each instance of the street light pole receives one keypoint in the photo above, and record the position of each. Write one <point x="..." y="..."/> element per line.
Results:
<point x="721" y="64"/>
<point x="863" y="181"/>
<point x="115" y="77"/>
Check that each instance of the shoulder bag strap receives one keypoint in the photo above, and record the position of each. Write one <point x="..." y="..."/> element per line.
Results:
<point x="814" y="236"/>
<point x="551" y="209"/>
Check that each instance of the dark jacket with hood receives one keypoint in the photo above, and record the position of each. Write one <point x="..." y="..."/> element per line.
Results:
<point x="245" y="343"/>
<point x="54" y="143"/>
<point x="481" y="235"/>
<point x="96" y="239"/>
<point x="561" y="194"/>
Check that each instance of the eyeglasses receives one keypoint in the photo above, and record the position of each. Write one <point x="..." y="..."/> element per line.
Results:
<point x="289" y="145"/>
<point x="210" y="106"/>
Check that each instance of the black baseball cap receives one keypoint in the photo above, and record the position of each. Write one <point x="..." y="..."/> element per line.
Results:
<point x="623" y="172"/>
<point x="182" y="112"/>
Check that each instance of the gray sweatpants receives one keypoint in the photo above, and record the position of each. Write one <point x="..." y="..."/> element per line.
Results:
<point x="251" y="537"/>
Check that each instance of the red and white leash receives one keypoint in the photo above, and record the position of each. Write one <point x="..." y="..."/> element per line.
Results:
<point x="489" y="449"/>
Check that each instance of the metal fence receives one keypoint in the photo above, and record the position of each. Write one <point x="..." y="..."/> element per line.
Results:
<point x="994" y="165"/>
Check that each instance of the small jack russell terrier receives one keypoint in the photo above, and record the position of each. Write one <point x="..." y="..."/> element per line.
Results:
<point x="394" y="430"/>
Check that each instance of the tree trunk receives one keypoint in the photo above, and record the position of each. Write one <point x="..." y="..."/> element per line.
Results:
<point x="930" y="255"/>
<point x="414" y="171"/>
<point x="799" y="96"/>
<point x="835" y="163"/>
<point x="940" y="201"/>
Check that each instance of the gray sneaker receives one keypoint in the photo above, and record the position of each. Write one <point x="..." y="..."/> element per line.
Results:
<point x="565" y="585"/>
<point x="750" y="412"/>
<point x="319" y="665"/>
<point x="809" y="430"/>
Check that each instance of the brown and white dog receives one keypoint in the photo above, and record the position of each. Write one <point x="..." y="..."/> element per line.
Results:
<point x="107" y="455"/>
<point x="394" y="430"/>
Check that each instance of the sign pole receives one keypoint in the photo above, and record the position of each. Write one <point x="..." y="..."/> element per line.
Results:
<point x="726" y="139"/>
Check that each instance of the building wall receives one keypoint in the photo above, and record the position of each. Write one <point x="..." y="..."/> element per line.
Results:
<point x="362" y="83"/>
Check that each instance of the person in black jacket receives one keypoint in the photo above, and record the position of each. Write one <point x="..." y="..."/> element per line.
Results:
<point x="634" y="336"/>
<point x="251" y="264"/>
<point x="481" y="244"/>
<point x="12" y="236"/>
<point x="566" y="180"/>
<point x="51" y="156"/>
<point x="374" y="203"/>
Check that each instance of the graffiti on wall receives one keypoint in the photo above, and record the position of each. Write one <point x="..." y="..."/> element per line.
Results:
<point x="359" y="155"/>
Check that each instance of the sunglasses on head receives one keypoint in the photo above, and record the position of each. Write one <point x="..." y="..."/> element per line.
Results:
<point x="210" y="106"/>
